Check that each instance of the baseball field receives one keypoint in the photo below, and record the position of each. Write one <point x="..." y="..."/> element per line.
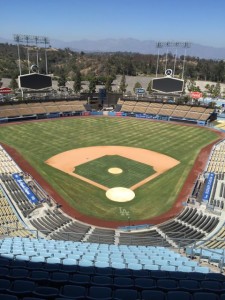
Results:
<point x="83" y="158"/>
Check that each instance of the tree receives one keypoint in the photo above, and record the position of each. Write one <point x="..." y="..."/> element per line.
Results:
<point x="13" y="83"/>
<point x="149" y="88"/>
<point x="77" y="86"/>
<point x="217" y="90"/>
<point x="92" y="84"/>
<point x="108" y="84"/>
<point x="62" y="78"/>
<point x="123" y="85"/>
<point x="209" y="89"/>
<point x="192" y="87"/>
<point x="137" y="86"/>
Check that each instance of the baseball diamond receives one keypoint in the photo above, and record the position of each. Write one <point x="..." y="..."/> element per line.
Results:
<point x="160" y="197"/>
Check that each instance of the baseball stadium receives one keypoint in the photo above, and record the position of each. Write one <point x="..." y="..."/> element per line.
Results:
<point x="120" y="203"/>
<point x="111" y="205"/>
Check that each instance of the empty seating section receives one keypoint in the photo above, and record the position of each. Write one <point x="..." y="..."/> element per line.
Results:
<point x="9" y="222"/>
<point x="71" y="230"/>
<point x="218" y="241"/>
<point x="216" y="161"/>
<point x="177" y="113"/>
<point x="195" y="218"/>
<point x="43" y="269"/>
<point x="128" y="106"/>
<point x="67" y="254"/>
<point x="198" y="109"/>
<point x="190" y="225"/>
<point x="194" y="115"/>
<point x="7" y="164"/>
<point x="141" y="107"/>
<point x="39" y="108"/>
<point x="101" y="235"/>
<point x="165" y="112"/>
<point x="152" y="110"/>
<point x="50" y="221"/>
<point x="8" y="111"/>
<point x="16" y="194"/>
<point x="146" y="238"/>
<point x="170" y="110"/>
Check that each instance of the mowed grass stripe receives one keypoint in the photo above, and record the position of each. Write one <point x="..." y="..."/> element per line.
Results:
<point x="38" y="141"/>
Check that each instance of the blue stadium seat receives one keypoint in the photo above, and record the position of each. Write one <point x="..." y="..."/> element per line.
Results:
<point x="39" y="276"/>
<point x="202" y="269"/>
<point x="153" y="294"/>
<point x="144" y="283"/>
<point x="178" y="295"/>
<point x="205" y="296"/>
<point x="101" y="264"/>
<point x="125" y="294"/>
<point x="4" y="284"/>
<point x="102" y="280"/>
<point x="22" y="288"/>
<point x="211" y="286"/>
<point x="73" y="292"/>
<point x="123" y="282"/>
<point x="46" y="292"/>
<point x="18" y="273"/>
<point x="189" y="285"/>
<point x="80" y="279"/>
<point x="167" y="284"/>
<point x="97" y="293"/>
<point x="59" y="278"/>
<point x="8" y="297"/>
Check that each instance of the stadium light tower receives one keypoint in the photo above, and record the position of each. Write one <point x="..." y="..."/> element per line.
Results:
<point x="18" y="38"/>
<point x="32" y="40"/>
<point x="172" y="45"/>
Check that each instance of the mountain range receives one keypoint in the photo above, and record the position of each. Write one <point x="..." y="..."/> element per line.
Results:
<point x="133" y="45"/>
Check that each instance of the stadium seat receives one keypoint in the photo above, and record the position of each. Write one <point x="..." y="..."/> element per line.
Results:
<point x="18" y="273"/>
<point x="125" y="294"/>
<point x="211" y="286"/>
<point x="73" y="291"/>
<point x="178" y="295"/>
<point x="59" y="278"/>
<point x="8" y="297"/>
<point x="167" y="284"/>
<point x="123" y="282"/>
<point x="144" y="283"/>
<point x="102" y="281"/>
<point x="202" y="269"/>
<point x="108" y="271"/>
<point x="101" y="264"/>
<point x="205" y="296"/>
<point x="153" y="294"/>
<point x="97" y="292"/>
<point x="151" y="267"/>
<point x="189" y="285"/>
<point x="123" y="272"/>
<point x="80" y="279"/>
<point x="22" y="288"/>
<point x="4" y="284"/>
<point x="46" y="292"/>
<point x="39" y="276"/>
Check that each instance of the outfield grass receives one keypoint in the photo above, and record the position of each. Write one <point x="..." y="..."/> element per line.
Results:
<point x="132" y="171"/>
<point x="38" y="141"/>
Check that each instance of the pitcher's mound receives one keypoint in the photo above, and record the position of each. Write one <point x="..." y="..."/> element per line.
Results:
<point x="115" y="170"/>
<point x="120" y="194"/>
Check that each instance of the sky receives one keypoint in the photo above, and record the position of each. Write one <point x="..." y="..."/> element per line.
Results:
<point x="195" y="21"/>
